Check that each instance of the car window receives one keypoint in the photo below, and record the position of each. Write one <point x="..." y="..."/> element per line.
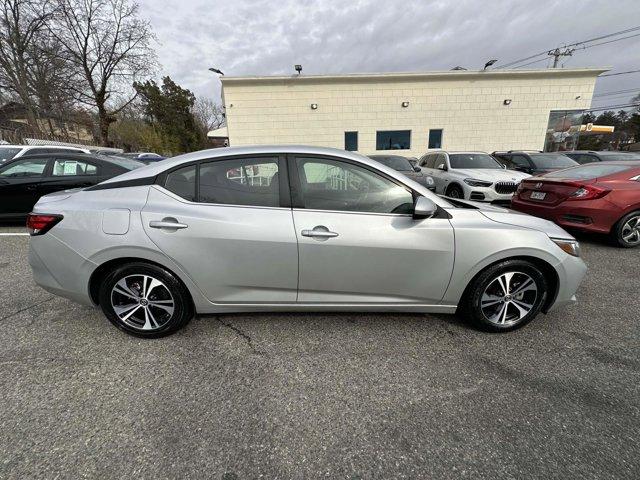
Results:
<point x="7" y="153"/>
<point x="245" y="181"/>
<point x="67" y="168"/>
<point x="431" y="160"/>
<point x="24" y="168"/>
<point x="473" y="160"/>
<point x="552" y="160"/>
<point x="182" y="182"/>
<point x="590" y="171"/>
<point x="520" y="161"/>
<point x="440" y="160"/>
<point x="583" y="158"/>
<point x="333" y="185"/>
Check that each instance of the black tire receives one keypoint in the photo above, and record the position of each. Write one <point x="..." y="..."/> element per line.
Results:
<point x="170" y="294"/>
<point x="619" y="229"/>
<point x="455" y="191"/>
<point x="471" y="308"/>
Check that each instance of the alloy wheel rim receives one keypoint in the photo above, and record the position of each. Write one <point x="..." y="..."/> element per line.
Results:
<point x="509" y="298"/>
<point x="454" y="193"/>
<point x="631" y="231"/>
<point x="142" y="302"/>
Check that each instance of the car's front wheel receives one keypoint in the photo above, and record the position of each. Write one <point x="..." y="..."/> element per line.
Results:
<point x="505" y="296"/>
<point x="626" y="233"/>
<point x="455" y="191"/>
<point x="145" y="300"/>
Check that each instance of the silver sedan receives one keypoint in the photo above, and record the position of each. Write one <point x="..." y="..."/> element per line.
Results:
<point x="288" y="228"/>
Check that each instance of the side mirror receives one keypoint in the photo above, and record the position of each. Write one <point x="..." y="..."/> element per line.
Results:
<point x="504" y="167"/>
<point x="416" y="168"/>
<point x="424" y="208"/>
<point x="442" y="167"/>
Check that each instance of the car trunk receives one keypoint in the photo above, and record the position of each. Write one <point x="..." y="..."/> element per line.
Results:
<point x="549" y="192"/>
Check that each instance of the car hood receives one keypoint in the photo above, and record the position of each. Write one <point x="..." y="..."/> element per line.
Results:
<point x="518" y="219"/>
<point x="491" y="174"/>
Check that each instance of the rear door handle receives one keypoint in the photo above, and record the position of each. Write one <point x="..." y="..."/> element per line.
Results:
<point x="168" y="224"/>
<point x="319" y="232"/>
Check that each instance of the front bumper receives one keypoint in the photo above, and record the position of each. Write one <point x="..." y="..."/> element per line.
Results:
<point x="486" y="194"/>
<point x="571" y="272"/>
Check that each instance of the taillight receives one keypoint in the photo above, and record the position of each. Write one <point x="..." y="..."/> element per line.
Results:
<point x="40" y="224"/>
<point x="588" y="192"/>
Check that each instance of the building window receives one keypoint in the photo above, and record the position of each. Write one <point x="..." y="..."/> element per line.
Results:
<point x="435" y="138"/>
<point x="393" y="140"/>
<point x="351" y="141"/>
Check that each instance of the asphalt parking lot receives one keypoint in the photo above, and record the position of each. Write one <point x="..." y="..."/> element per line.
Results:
<point x="353" y="396"/>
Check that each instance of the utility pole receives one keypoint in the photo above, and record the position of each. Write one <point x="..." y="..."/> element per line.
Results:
<point x="556" y="54"/>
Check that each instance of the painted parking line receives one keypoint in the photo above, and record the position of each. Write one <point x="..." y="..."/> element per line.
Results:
<point x="16" y="234"/>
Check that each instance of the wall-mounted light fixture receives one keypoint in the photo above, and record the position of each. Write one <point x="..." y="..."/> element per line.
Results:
<point x="405" y="104"/>
<point x="578" y="97"/>
<point x="507" y="101"/>
<point x="314" y="106"/>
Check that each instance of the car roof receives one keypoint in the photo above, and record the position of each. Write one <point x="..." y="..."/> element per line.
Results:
<point x="606" y="152"/>
<point x="157" y="168"/>
<point x="628" y="163"/>
<point x="77" y="156"/>
<point x="456" y="152"/>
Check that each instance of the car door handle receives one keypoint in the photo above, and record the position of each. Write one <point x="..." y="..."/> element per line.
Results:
<point x="169" y="224"/>
<point x="319" y="232"/>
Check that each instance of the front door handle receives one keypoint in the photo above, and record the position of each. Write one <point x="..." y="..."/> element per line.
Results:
<point x="319" y="232"/>
<point x="172" y="224"/>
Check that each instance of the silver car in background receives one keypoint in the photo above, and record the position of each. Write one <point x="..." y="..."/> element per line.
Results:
<point x="472" y="175"/>
<point x="292" y="228"/>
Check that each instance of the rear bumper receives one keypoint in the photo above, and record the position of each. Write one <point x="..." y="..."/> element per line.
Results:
<point x="72" y="271"/>
<point x="596" y="216"/>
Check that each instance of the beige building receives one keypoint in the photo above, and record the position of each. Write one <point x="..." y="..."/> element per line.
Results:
<point x="410" y="113"/>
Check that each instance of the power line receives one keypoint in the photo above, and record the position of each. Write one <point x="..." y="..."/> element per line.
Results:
<point x="567" y="47"/>
<point x="619" y="73"/>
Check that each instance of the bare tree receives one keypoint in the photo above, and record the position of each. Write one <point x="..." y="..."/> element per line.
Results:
<point x="209" y="115"/>
<point x="21" y="23"/>
<point x="110" y="47"/>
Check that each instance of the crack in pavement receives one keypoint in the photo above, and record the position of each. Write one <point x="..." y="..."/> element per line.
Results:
<point x="247" y="338"/>
<point x="27" y="308"/>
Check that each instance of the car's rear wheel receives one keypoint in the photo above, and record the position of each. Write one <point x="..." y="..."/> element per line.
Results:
<point x="455" y="191"/>
<point x="145" y="300"/>
<point x="505" y="296"/>
<point x="626" y="233"/>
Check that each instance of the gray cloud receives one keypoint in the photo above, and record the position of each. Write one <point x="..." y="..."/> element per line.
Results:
<point x="266" y="37"/>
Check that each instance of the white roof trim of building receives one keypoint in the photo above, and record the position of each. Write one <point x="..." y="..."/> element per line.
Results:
<point x="412" y="76"/>
<point x="221" y="132"/>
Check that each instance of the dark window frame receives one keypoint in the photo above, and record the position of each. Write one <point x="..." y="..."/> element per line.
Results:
<point x="441" y="130"/>
<point x="351" y="132"/>
<point x="378" y="132"/>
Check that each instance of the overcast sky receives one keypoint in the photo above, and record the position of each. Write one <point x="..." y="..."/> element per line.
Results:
<point x="267" y="37"/>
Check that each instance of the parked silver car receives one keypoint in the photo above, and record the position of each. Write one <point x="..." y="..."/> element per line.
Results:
<point x="292" y="228"/>
<point x="471" y="175"/>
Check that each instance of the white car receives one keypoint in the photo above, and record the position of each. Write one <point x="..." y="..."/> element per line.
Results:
<point x="9" y="152"/>
<point x="471" y="176"/>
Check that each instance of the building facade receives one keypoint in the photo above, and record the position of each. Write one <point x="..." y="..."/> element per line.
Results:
<point x="410" y="113"/>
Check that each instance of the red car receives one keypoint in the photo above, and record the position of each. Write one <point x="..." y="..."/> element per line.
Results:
<point x="601" y="197"/>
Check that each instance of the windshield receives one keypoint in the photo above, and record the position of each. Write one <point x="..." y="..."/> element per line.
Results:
<point x="397" y="163"/>
<point x="589" y="171"/>
<point x="127" y="163"/>
<point x="473" y="160"/>
<point x="552" y="160"/>
<point x="7" y="153"/>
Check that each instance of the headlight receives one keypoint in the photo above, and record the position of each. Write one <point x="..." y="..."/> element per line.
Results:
<point x="477" y="183"/>
<point x="429" y="181"/>
<point x="572" y="247"/>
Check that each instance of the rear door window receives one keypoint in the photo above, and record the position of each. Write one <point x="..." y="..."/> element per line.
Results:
<point x="68" y="167"/>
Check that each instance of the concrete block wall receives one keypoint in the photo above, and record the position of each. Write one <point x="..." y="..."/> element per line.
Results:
<point x="467" y="106"/>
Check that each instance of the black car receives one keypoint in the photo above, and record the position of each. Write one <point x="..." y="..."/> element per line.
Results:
<point x="587" y="156"/>
<point x="24" y="180"/>
<point x="534" y="163"/>
<point x="403" y="164"/>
